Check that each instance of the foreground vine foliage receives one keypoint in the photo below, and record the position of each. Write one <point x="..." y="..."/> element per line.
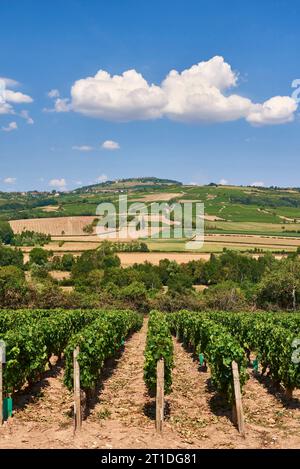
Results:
<point x="33" y="336"/>
<point x="97" y="342"/>
<point x="159" y="345"/>
<point x="29" y="345"/>
<point x="219" y="347"/>
<point x="273" y="338"/>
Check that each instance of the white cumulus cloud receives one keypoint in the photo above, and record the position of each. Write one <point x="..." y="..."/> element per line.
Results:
<point x="258" y="184"/>
<point x="118" y="97"/>
<point x="11" y="126"/>
<point x="16" y="97"/>
<point x="60" y="105"/>
<point x="9" y="98"/>
<point x="9" y="180"/>
<point x="277" y="110"/>
<point x="26" y="116"/>
<point x="5" y="108"/>
<point x="9" y="82"/>
<point x="201" y="93"/>
<point x="110" y="145"/>
<point x="84" y="148"/>
<point x="197" y="94"/>
<point x="53" y="93"/>
<point x="61" y="183"/>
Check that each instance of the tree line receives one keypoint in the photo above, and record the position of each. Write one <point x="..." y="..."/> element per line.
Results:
<point x="230" y="281"/>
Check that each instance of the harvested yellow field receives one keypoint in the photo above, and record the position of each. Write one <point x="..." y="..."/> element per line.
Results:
<point x="71" y="246"/>
<point x="249" y="227"/>
<point x="158" y="197"/>
<point x="54" y="226"/>
<point x="253" y="240"/>
<point x="78" y="238"/>
<point x="244" y="247"/>
<point x="130" y="258"/>
<point x="50" y="208"/>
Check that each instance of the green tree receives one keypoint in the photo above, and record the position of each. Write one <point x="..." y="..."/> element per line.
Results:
<point x="94" y="280"/>
<point x="195" y="270"/>
<point x="135" y="295"/>
<point x="40" y="272"/>
<point x="56" y="263"/>
<point x="118" y="276"/>
<point x="179" y="283"/>
<point x="144" y="247"/>
<point x="9" y="256"/>
<point x="39" y="256"/>
<point x="67" y="262"/>
<point x="211" y="271"/>
<point x="281" y="286"/>
<point x="166" y="268"/>
<point x="226" y="296"/>
<point x="13" y="287"/>
<point x="102" y="258"/>
<point x="146" y="273"/>
<point x="6" y="232"/>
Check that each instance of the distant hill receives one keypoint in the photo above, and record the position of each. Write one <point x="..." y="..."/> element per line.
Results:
<point x="142" y="183"/>
<point x="228" y="209"/>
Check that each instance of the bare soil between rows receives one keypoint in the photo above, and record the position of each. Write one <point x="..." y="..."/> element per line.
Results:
<point x="121" y="414"/>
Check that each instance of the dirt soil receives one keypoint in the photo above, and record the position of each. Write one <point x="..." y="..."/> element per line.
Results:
<point x="121" y="414"/>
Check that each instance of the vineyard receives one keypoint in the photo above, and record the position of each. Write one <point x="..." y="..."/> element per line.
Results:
<point x="226" y="337"/>
<point x="32" y="337"/>
<point x="118" y="353"/>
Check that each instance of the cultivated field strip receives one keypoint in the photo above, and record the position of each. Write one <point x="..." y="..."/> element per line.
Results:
<point x="55" y="226"/>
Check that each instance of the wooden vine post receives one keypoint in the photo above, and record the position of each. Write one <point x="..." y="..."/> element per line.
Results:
<point x="160" y="387"/>
<point x="289" y="393"/>
<point x="77" y="397"/>
<point x="237" y="410"/>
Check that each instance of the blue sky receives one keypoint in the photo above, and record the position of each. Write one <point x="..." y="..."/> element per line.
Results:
<point x="191" y="130"/>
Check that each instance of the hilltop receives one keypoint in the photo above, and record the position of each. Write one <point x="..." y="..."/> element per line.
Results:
<point x="142" y="183"/>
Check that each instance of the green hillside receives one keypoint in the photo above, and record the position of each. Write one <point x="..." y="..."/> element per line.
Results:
<point x="228" y="209"/>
